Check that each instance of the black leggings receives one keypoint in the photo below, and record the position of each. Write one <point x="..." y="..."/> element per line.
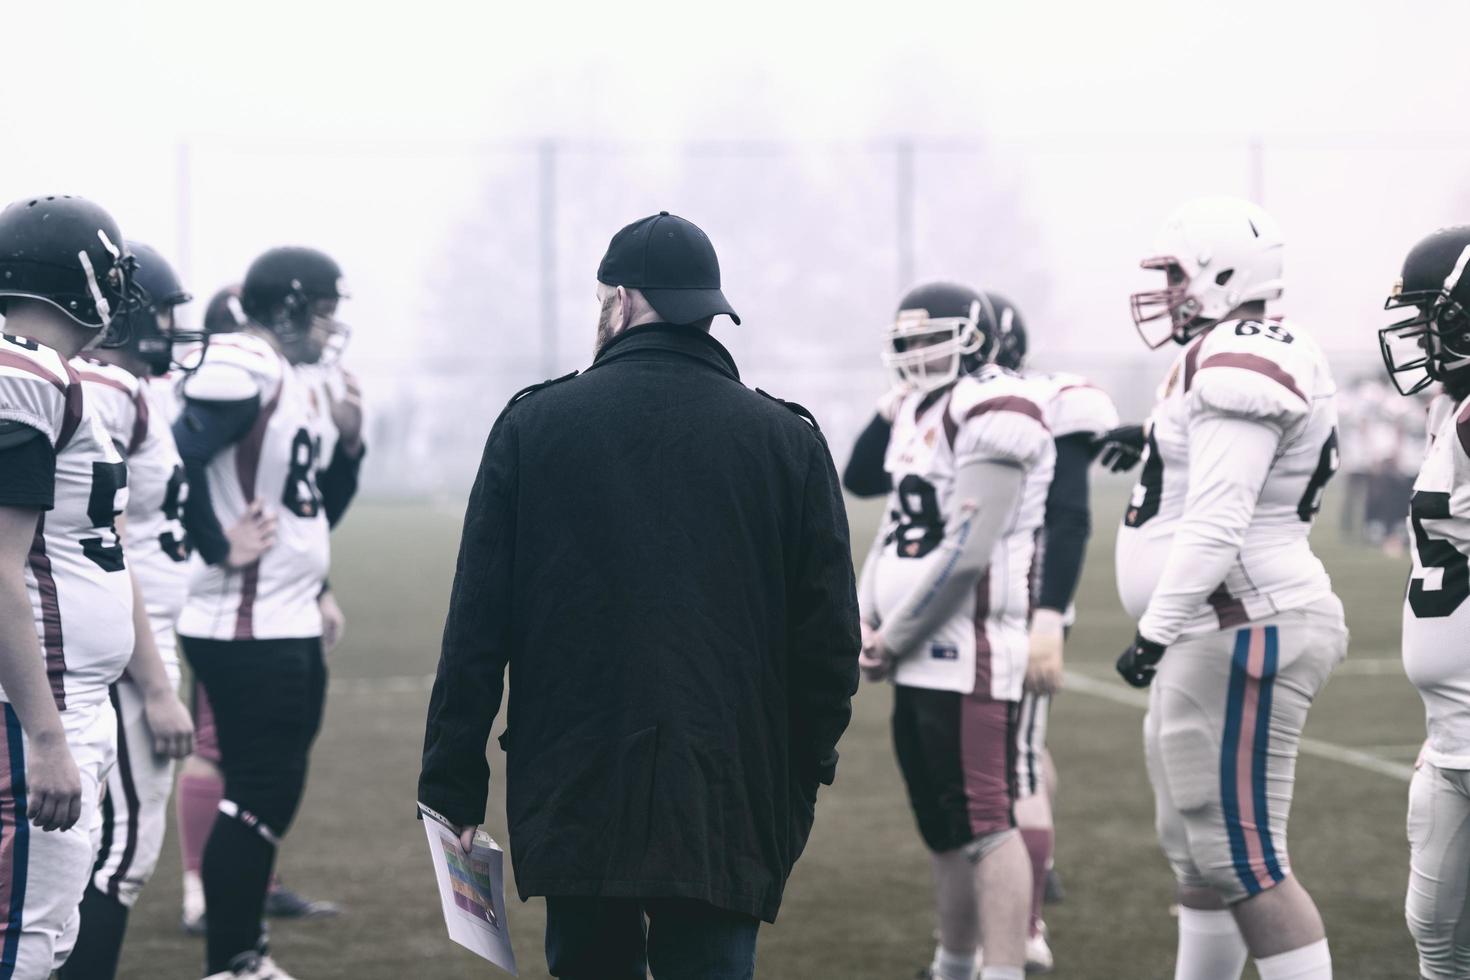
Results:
<point x="267" y="697"/>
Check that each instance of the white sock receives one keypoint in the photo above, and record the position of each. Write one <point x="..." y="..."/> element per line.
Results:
<point x="1210" y="946"/>
<point x="1003" y="973"/>
<point x="950" y="965"/>
<point x="1312" y="962"/>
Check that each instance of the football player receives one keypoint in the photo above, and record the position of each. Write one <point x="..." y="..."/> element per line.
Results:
<point x="1433" y="346"/>
<point x="67" y="604"/>
<point x="944" y="597"/>
<point x="249" y="435"/>
<point x="330" y="387"/>
<point x="153" y="727"/>
<point x="1078" y="413"/>
<point x="1238" y="627"/>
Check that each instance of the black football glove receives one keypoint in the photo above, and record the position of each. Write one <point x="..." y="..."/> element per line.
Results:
<point x="1140" y="661"/>
<point x="1120" y="449"/>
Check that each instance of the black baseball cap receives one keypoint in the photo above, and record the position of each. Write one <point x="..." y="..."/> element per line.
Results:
<point x="670" y="261"/>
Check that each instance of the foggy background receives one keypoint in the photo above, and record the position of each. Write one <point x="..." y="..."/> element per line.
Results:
<point x="466" y="163"/>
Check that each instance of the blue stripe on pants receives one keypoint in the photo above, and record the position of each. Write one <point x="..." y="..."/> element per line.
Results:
<point x="1229" y="800"/>
<point x="1261" y="752"/>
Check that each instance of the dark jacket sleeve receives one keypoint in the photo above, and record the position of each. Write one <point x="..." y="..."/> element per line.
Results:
<point x="824" y="632"/>
<point x="202" y="429"/>
<point x="865" y="475"/>
<point x="338" y="482"/>
<point x="1068" y="523"/>
<point x="467" y="692"/>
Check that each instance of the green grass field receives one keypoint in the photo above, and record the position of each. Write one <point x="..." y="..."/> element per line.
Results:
<point x="858" y="905"/>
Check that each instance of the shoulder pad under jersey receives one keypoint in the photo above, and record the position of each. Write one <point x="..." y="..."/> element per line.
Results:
<point x="1262" y="370"/>
<point x="113" y="395"/>
<point x="38" y="388"/>
<point x="530" y="390"/>
<point x="235" y="367"/>
<point x="795" y="409"/>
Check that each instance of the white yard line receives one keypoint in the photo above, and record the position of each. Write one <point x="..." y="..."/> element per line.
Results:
<point x="1115" y="691"/>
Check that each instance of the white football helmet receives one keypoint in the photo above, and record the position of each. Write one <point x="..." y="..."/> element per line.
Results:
<point x="1218" y="253"/>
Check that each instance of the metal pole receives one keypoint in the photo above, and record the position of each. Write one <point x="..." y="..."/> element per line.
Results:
<point x="548" y="258"/>
<point x="1258" y="170"/>
<point x="904" y="185"/>
<point x="183" y="212"/>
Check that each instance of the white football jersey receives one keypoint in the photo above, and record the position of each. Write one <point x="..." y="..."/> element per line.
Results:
<point x="276" y="463"/>
<point x="1436" y="613"/>
<point x="136" y="415"/>
<point x="324" y="382"/>
<point x="76" y="576"/>
<point x="994" y="415"/>
<point x="1073" y="404"/>
<point x="1267" y="371"/>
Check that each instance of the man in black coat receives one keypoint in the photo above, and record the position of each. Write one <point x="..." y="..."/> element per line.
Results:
<point x="661" y="556"/>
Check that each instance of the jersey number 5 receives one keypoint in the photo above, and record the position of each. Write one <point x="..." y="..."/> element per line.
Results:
<point x="107" y="480"/>
<point x="1438" y="559"/>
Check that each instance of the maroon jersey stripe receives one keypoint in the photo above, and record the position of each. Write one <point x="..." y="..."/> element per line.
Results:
<point x="1258" y="364"/>
<point x="103" y="379"/>
<point x="7" y="359"/>
<point x="982" y="639"/>
<point x="51" y="639"/>
<point x="140" y="422"/>
<point x="73" y="418"/>
<point x="951" y="427"/>
<point x="1191" y="362"/>
<point x="1008" y="403"/>
<point x="247" y="466"/>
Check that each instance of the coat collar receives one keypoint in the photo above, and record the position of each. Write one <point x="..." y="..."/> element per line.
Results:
<point x="687" y="342"/>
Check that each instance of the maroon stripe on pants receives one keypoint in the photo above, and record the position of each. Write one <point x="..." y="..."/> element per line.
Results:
<point x="987" y="745"/>
<point x="247" y="466"/>
<point x="130" y="798"/>
<point x="40" y="564"/>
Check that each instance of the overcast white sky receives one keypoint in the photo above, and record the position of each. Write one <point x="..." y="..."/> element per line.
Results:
<point x="292" y="109"/>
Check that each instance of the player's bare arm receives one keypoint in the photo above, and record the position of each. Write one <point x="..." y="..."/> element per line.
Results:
<point x="168" y="719"/>
<point x="54" y="783"/>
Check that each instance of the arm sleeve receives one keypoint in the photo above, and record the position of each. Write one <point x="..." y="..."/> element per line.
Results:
<point x="27" y="468"/>
<point x="455" y="776"/>
<point x="1068" y="522"/>
<point x="1229" y="459"/>
<point x="865" y="475"/>
<point x="824" y="635"/>
<point x="203" y="429"/>
<point x="338" y="482"/>
<point x="986" y="492"/>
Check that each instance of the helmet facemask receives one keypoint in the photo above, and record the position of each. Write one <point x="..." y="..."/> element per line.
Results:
<point x="1433" y="345"/>
<point x="1175" y="302"/>
<point x="928" y="354"/>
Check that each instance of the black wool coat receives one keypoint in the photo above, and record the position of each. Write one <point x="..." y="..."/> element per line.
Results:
<point x="660" y="555"/>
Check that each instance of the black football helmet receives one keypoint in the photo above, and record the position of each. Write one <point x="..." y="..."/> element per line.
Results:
<point x="150" y="324"/>
<point x="224" y="314"/>
<point x="1010" y="346"/>
<point x="1434" y="343"/>
<point x="68" y="252"/>
<point x="942" y="330"/>
<point x="285" y="291"/>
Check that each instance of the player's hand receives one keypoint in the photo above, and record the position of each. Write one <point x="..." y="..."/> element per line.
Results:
<point x="170" y="725"/>
<point x="54" y="782"/>
<point x="1120" y="449"/>
<point x="875" y="661"/>
<point x="347" y="413"/>
<point x="892" y="398"/>
<point x="1044" y="661"/>
<point x="467" y="837"/>
<point x="334" y="621"/>
<point x="1140" y="661"/>
<point x="252" y="536"/>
